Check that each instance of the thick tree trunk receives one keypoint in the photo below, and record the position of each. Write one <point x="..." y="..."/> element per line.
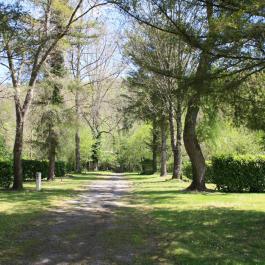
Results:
<point x="21" y="112"/>
<point x="193" y="148"/>
<point x="163" y="169"/>
<point x="17" y="152"/>
<point x="154" y="145"/>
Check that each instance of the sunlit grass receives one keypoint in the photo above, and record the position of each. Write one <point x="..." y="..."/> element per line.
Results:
<point x="19" y="209"/>
<point x="200" y="228"/>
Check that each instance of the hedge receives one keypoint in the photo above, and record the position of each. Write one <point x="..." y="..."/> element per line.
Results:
<point x="30" y="168"/>
<point x="6" y="172"/>
<point x="147" y="167"/>
<point x="187" y="171"/>
<point x="239" y="173"/>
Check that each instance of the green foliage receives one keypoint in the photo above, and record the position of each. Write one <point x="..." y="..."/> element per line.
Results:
<point x="147" y="167"/>
<point x="220" y="137"/>
<point x="4" y="154"/>
<point x="31" y="167"/>
<point x="187" y="171"/>
<point x="6" y="171"/>
<point x="86" y="142"/>
<point x="133" y="148"/>
<point x="249" y="101"/>
<point x="239" y="173"/>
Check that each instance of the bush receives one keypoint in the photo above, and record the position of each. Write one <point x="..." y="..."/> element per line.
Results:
<point x="6" y="172"/>
<point x="187" y="171"/>
<point x="147" y="167"/>
<point x="31" y="167"/>
<point x="239" y="173"/>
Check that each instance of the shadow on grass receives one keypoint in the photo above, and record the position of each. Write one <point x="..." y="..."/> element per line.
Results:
<point x="211" y="236"/>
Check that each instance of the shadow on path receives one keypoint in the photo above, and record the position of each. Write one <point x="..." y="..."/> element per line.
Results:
<point x="77" y="234"/>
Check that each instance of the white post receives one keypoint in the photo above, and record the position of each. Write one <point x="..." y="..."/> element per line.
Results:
<point x="38" y="181"/>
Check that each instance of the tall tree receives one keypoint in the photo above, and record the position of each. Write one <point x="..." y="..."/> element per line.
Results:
<point x="228" y="38"/>
<point x="26" y="50"/>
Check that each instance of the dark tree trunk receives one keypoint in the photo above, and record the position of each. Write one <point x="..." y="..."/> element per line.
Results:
<point x="154" y="145"/>
<point x="193" y="148"/>
<point x="77" y="136"/>
<point x="77" y="152"/>
<point x="163" y="169"/>
<point x="178" y="156"/>
<point x="52" y="155"/>
<point x="77" y="109"/>
<point x="17" y="152"/>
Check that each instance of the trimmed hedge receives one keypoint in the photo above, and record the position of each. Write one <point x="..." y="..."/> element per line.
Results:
<point x="187" y="171"/>
<point x="239" y="173"/>
<point x="6" y="172"/>
<point x="30" y="168"/>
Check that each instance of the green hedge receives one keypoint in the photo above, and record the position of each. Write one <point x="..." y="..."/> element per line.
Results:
<point x="6" y="172"/>
<point x="30" y="168"/>
<point x="239" y="173"/>
<point x="147" y="167"/>
<point x="187" y="171"/>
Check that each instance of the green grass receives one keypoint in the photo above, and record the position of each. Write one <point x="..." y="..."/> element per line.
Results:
<point x="161" y="223"/>
<point x="19" y="209"/>
<point x="198" y="228"/>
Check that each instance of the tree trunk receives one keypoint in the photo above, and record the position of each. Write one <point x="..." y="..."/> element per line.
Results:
<point x="178" y="156"/>
<point x="17" y="151"/>
<point x="154" y="145"/>
<point x="163" y="169"/>
<point x="176" y="141"/>
<point x="52" y="154"/>
<point x="77" y="152"/>
<point x="172" y="138"/>
<point x="77" y="135"/>
<point x="193" y="148"/>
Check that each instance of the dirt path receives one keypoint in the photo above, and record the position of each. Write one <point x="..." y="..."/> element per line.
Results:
<point x="81" y="233"/>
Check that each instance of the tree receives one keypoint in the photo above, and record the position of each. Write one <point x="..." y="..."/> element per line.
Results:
<point x="158" y="52"/>
<point x="26" y="49"/>
<point x="228" y="39"/>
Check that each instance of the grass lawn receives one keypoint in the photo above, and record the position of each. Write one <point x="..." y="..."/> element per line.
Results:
<point x="192" y="228"/>
<point x="19" y="209"/>
<point x="158" y="223"/>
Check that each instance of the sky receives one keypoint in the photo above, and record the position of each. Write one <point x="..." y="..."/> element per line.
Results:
<point x="115" y="22"/>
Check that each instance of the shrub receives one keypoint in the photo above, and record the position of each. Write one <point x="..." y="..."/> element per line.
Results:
<point x="6" y="172"/>
<point x="187" y="171"/>
<point x="147" y="167"/>
<point x="239" y="173"/>
<point x="60" y="168"/>
<point x="31" y="167"/>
